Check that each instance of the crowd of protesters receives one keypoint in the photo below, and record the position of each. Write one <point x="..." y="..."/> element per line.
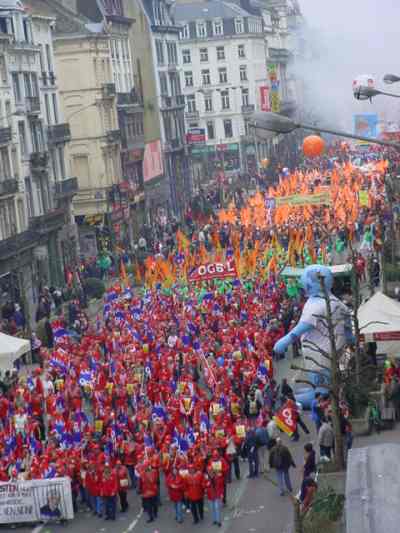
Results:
<point x="171" y="386"/>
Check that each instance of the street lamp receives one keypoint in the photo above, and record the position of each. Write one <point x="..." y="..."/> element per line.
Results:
<point x="263" y="122"/>
<point x="391" y="78"/>
<point x="367" y="93"/>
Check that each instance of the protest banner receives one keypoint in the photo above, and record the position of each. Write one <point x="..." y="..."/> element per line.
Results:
<point x="323" y="198"/>
<point x="285" y="419"/>
<point x="211" y="271"/>
<point x="39" y="500"/>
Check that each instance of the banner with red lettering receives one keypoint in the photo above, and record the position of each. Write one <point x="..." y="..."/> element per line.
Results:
<point x="211" y="271"/>
<point x="286" y="419"/>
<point x="264" y="98"/>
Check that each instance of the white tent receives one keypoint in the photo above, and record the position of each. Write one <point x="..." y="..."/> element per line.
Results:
<point x="11" y="349"/>
<point x="379" y="320"/>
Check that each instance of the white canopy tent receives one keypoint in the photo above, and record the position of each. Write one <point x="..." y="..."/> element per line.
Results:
<point x="11" y="349"/>
<point x="379" y="320"/>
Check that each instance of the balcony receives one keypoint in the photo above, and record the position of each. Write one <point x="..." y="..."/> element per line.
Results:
<point x="66" y="188"/>
<point x="26" y="46"/>
<point x="249" y="108"/>
<point x="39" y="161"/>
<point x="288" y="107"/>
<point x="5" y="135"/>
<point x="108" y="90"/>
<point x="172" y="102"/>
<point x="33" y="105"/>
<point x="9" y="186"/>
<point x="58" y="133"/>
<point x="16" y="244"/>
<point x="48" y="222"/>
<point x="113" y="136"/>
<point x="128" y="99"/>
<point x="192" y="115"/>
<point x="173" y="145"/>
<point x="280" y="55"/>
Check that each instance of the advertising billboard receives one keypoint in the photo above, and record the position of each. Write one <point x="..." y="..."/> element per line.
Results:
<point x="152" y="161"/>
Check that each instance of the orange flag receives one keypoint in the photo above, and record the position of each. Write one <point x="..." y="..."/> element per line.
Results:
<point x="123" y="273"/>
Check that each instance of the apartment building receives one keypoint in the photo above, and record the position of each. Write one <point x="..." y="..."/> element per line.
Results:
<point x="154" y="38"/>
<point x="223" y="73"/>
<point x="37" y="234"/>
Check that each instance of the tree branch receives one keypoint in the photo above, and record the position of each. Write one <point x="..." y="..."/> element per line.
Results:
<point x="308" y="358"/>
<point x="315" y="348"/>
<point x="374" y="322"/>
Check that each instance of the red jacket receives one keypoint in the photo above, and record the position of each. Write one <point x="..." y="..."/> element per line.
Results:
<point x="109" y="486"/>
<point x="215" y="486"/>
<point x="123" y="478"/>
<point x="175" y="487"/>
<point x="194" y="486"/>
<point x="149" y="483"/>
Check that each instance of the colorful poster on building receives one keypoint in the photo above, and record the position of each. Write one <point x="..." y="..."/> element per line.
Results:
<point x="152" y="161"/>
<point x="366" y="125"/>
<point x="275" y="100"/>
<point x="265" y="104"/>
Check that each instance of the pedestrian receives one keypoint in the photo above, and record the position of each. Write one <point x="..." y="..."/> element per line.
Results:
<point x="214" y="484"/>
<point x="194" y="491"/>
<point x="326" y="438"/>
<point x="109" y="490"/>
<point x="251" y="449"/>
<point x="175" y="486"/>
<point x="123" y="485"/>
<point x="148" y="487"/>
<point x="281" y="460"/>
<point x="316" y="411"/>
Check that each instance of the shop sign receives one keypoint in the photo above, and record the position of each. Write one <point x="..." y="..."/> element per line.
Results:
<point x="196" y="136"/>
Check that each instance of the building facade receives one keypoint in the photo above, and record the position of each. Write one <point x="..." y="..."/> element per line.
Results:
<point x="37" y="234"/>
<point x="223" y="74"/>
<point x="154" y="40"/>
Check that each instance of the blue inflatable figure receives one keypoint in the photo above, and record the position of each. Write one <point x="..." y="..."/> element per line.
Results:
<point x="312" y="326"/>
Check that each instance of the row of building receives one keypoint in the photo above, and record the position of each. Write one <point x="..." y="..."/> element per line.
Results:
<point x="113" y="112"/>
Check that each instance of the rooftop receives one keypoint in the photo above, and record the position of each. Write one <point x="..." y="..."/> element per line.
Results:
<point x="207" y="10"/>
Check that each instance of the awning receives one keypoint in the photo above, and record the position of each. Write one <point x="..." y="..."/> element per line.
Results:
<point x="11" y="349"/>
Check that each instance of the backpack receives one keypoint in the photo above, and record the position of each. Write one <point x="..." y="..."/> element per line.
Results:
<point x="253" y="408"/>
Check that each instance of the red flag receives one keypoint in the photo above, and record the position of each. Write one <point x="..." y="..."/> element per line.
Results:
<point x="286" y="418"/>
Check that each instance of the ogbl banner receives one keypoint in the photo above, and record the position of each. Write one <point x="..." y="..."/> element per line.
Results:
<point x="40" y="500"/>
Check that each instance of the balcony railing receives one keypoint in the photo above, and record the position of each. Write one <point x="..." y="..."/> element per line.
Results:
<point x="48" y="221"/>
<point x="171" y="102"/>
<point x="17" y="243"/>
<point x="109" y="90"/>
<point x="126" y="99"/>
<point x="172" y="145"/>
<point x="192" y="115"/>
<point x="280" y="55"/>
<point x="33" y="105"/>
<point x="5" y="135"/>
<point x="39" y="160"/>
<point x="249" y="108"/>
<point x="113" y="136"/>
<point x="59" y="133"/>
<point x="66" y="187"/>
<point x="9" y="186"/>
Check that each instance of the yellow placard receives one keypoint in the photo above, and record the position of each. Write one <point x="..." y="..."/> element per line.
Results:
<point x="217" y="466"/>
<point x="130" y="388"/>
<point x="98" y="426"/>
<point x="220" y="433"/>
<point x="241" y="431"/>
<point x="363" y="198"/>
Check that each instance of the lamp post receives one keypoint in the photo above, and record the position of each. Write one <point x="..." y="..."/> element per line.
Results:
<point x="280" y="124"/>
<point x="389" y="79"/>
<point x="367" y="93"/>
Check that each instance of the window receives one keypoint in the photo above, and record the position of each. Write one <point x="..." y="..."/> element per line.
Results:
<point x="16" y="86"/>
<point x="163" y="83"/>
<point x="245" y="97"/>
<point x="208" y="104"/>
<point x="186" y="56"/>
<point x="220" y="52"/>
<point x="205" y="76"/>
<point x="3" y="70"/>
<point x="203" y="54"/>
<point x="218" y="27"/>
<point x="239" y="25"/>
<point x="61" y="161"/>
<point x="241" y="51"/>
<point x="191" y="103"/>
<point x="189" y="78"/>
<point x="34" y="84"/>
<point x="22" y="138"/>
<point x="223" y="75"/>
<point x="172" y="53"/>
<point x="27" y="84"/>
<point x="185" y="33"/>
<point x="160" y="51"/>
<point x="55" y="108"/>
<point x="5" y="162"/>
<point x="228" y="128"/>
<point x="210" y="130"/>
<point x="225" y="99"/>
<point x="243" y="73"/>
<point x="48" y="57"/>
<point x="29" y="197"/>
<point x="201" y="29"/>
